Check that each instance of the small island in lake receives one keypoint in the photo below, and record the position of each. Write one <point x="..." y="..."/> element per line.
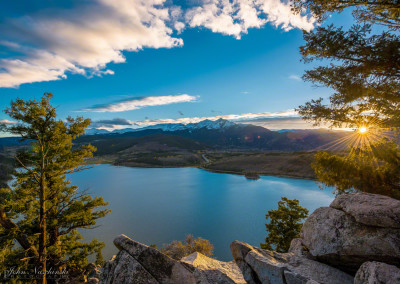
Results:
<point x="253" y="176"/>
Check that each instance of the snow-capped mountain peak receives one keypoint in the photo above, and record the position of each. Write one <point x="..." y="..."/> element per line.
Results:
<point x="208" y="124"/>
<point x="166" y="127"/>
<point x="218" y="124"/>
<point x="211" y="124"/>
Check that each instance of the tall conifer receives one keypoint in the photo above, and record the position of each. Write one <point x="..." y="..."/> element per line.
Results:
<point x="42" y="211"/>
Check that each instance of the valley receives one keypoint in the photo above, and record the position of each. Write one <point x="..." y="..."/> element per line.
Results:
<point x="218" y="146"/>
<point x="287" y="164"/>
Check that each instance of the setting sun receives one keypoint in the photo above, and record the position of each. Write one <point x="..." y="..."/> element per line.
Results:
<point x="362" y="130"/>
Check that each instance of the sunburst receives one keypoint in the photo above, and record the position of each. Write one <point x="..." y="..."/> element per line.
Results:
<point x="363" y="130"/>
<point x="364" y="136"/>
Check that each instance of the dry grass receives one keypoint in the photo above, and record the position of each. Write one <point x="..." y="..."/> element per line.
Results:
<point x="276" y="164"/>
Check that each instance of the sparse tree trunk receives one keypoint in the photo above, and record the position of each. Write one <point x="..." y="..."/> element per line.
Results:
<point x="54" y="240"/>
<point x="42" y="226"/>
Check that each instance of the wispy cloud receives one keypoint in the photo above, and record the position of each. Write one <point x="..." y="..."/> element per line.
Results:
<point x="84" y="39"/>
<point x="111" y="123"/>
<point x="6" y="121"/>
<point x="140" y="102"/>
<point x="276" y="123"/>
<point x="271" y="120"/>
<point x="295" y="77"/>
<point x="291" y="122"/>
<point x="232" y="117"/>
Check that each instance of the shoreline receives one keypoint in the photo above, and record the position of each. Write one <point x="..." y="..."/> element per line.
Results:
<point x="206" y="169"/>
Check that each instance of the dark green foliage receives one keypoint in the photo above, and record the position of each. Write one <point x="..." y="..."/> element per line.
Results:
<point x="365" y="66"/>
<point x="365" y="76"/>
<point x="177" y="249"/>
<point x="6" y="169"/>
<point x="43" y="211"/>
<point x="384" y="12"/>
<point x="374" y="170"/>
<point x="285" y="224"/>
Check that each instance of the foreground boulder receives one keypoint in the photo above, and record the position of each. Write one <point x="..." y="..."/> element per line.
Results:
<point x="139" y="264"/>
<point x="347" y="233"/>
<point x="370" y="209"/>
<point x="377" y="272"/>
<point x="126" y="269"/>
<point x="163" y="268"/>
<point x="263" y="266"/>
<point x="208" y="270"/>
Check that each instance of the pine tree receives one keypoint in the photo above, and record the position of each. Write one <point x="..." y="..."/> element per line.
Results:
<point x="364" y="73"/>
<point x="383" y="12"/>
<point x="373" y="169"/>
<point x="365" y="66"/>
<point x="285" y="224"/>
<point x="43" y="211"/>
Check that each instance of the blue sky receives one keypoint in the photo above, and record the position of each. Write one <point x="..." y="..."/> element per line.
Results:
<point x="132" y="63"/>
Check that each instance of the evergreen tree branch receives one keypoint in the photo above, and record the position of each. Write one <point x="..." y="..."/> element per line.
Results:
<point x="20" y="237"/>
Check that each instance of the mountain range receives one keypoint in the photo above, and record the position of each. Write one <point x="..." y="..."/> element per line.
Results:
<point x="208" y="124"/>
<point x="219" y="134"/>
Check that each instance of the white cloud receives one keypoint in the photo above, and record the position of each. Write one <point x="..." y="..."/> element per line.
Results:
<point x="235" y="17"/>
<point x="279" y="14"/>
<point x="140" y="102"/>
<point x="295" y="77"/>
<point x="82" y="40"/>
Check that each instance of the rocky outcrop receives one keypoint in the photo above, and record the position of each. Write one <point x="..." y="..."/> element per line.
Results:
<point x="163" y="268"/>
<point x="354" y="229"/>
<point x="376" y="272"/>
<point x="140" y="264"/>
<point x="263" y="266"/>
<point x="347" y="234"/>
<point x="358" y="234"/>
<point x="126" y="269"/>
<point x="370" y="209"/>
<point x="208" y="270"/>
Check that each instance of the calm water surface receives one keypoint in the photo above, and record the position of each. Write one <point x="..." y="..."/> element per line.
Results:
<point x="156" y="206"/>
